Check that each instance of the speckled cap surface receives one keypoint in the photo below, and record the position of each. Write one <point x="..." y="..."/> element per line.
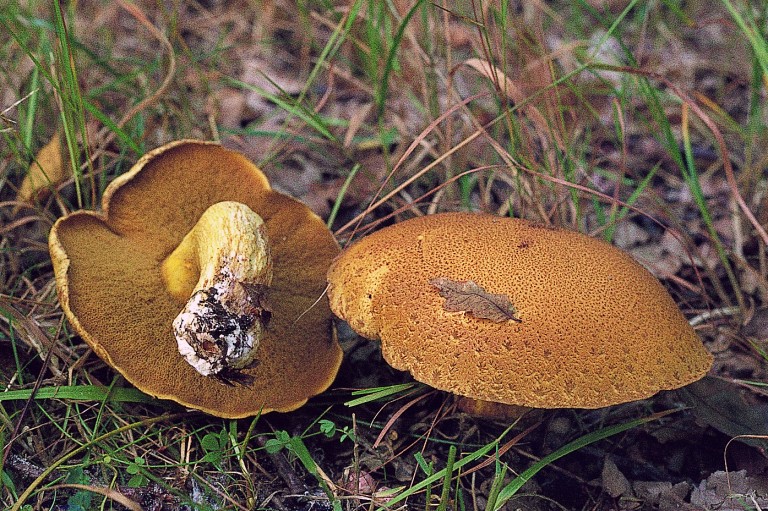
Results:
<point x="596" y="328"/>
<point x="108" y="277"/>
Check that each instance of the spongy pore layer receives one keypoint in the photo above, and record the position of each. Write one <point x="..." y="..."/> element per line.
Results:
<point x="595" y="328"/>
<point x="109" y="281"/>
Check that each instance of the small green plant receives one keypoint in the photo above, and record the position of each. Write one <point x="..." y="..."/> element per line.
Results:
<point x="136" y="468"/>
<point x="215" y="446"/>
<point x="329" y="429"/>
<point x="281" y="441"/>
<point x="82" y="500"/>
<point x="296" y="447"/>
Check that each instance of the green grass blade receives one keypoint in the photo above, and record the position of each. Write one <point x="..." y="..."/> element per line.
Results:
<point x="298" y="448"/>
<point x="340" y="195"/>
<point x="752" y="32"/>
<point x="471" y="457"/>
<point x="338" y="36"/>
<point x="445" y="492"/>
<point x="619" y="214"/>
<point x="511" y="489"/>
<point x="381" y="92"/>
<point x="312" y="119"/>
<point x="613" y="28"/>
<point x="691" y="176"/>
<point x="497" y="484"/>
<point x="80" y="393"/>
<point x="71" y="101"/>
<point x="369" y="395"/>
<point x="109" y="123"/>
<point x="28" y="128"/>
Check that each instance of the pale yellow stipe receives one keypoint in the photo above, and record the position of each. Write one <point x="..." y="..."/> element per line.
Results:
<point x="221" y="269"/>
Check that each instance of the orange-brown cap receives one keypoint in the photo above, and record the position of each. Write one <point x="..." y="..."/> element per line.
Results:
<point x="108" y="275"/>
<point x="583" y="325"/>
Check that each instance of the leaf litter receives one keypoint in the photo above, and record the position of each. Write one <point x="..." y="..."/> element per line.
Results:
<point x="474" y="300"/>
<point x="677" y="466"/>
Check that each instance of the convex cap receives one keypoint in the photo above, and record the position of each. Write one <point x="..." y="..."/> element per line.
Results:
<point x="112" y="270"/>
<point x="503" y="310"/>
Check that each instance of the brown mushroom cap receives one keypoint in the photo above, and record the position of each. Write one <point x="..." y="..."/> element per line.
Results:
<point x="595" y="327"/>
<point x="108" y="274"/>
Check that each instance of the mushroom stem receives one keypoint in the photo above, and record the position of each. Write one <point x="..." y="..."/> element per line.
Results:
<point x="222" y="269"/>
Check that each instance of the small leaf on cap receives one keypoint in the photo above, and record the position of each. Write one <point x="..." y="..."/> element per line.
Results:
<point x="470" y="298"/>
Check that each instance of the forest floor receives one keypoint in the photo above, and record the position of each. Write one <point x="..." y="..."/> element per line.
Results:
<point x="642" y="123"/>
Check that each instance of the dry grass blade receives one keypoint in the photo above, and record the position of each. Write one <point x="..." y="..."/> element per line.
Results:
<point x="722" y="146"/>
<point x="508" y="87"/>
<point x="504" y="448"/>
<point x="106" y="492"/>
<point x="728" y="446"/>
<point x="33" y="335"/>
<point x="417" y="141"/>
<point x="400" y="411"/>
<point x="107" y="135"/>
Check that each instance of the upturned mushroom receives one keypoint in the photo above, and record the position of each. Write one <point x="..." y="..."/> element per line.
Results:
<point x="505" y="311"/>
<point x="201" y="284"/>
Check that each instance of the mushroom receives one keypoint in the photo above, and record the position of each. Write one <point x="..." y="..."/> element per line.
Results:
<point x="201" y="284"/>
<point x="506" y="311"/>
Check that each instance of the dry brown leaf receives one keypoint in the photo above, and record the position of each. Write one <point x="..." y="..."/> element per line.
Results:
<point x="614" y="482"/>
<point x="228" y="108"/>
<point x="514" y="93"/>
<point x="470" y="298"/>
<point x="498" y="76"/>
<point x="663" y="495"/>
<point x="757" y="326"/>
<point x="48" y="168"/>
<point x="734" y="491"/>
<point x="106" y="492"/>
